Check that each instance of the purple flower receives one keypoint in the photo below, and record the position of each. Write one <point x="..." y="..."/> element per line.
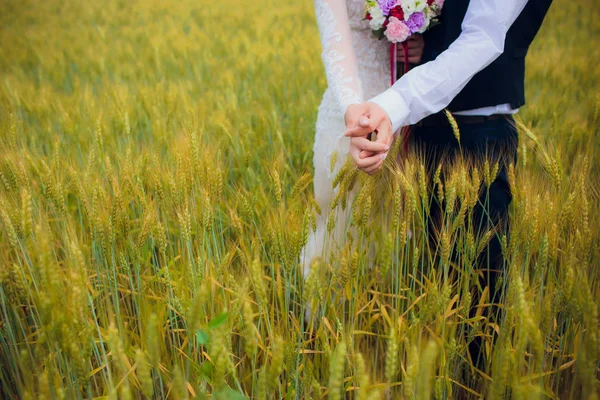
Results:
<point x="415" y="21"/>
<point x="386" y="5"/>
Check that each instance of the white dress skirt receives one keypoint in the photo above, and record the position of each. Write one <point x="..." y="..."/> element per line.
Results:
<point x="357" y="68"/>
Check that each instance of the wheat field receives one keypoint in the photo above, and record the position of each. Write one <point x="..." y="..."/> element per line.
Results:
<point x="156" y="192"/>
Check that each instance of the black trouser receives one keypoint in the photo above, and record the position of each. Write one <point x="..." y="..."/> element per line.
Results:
<point x="496" y="140"/>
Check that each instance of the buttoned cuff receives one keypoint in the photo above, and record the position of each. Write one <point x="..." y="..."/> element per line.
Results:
<point x="395" y="107"/>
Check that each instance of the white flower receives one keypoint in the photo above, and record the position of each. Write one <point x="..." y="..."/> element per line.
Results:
<point x="408" y="6"/>
<point x="412" y="6"/>
<point x="377" y="18"/>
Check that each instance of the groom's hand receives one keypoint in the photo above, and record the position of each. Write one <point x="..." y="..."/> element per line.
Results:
<point x="416" y="44"/>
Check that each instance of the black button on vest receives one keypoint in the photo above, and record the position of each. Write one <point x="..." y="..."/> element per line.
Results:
<point x="501" y="82"/>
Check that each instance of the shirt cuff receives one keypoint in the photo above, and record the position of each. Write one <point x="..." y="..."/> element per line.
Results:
<point x="395" y="107"/>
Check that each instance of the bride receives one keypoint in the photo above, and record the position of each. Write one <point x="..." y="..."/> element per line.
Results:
<point x="344" y="33"/>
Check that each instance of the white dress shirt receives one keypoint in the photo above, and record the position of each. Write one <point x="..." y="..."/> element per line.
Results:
<point x="431" y="87"/>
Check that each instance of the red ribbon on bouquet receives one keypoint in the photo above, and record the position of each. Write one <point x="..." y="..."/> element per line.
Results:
<point x="394" y="77"/>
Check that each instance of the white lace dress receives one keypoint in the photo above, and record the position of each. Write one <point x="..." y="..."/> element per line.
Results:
<point x="357" y="68"/>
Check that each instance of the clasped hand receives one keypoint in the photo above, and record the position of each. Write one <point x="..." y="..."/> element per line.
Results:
<point x="361" y="120"/>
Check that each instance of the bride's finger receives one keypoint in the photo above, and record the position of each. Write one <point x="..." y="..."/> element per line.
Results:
<point x="365" y="144"/>
<point x="365" y="154"/>
<point x="374" y="168"/>
<point x="358" y="131"/>
<point x="366" y="126"/>
<point x="368" y="162"/>
<point x="364" y="121"/>
<point x="385" y="135"/>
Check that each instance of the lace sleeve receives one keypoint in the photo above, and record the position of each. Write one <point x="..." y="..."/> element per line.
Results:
<point x="338" y="53"/>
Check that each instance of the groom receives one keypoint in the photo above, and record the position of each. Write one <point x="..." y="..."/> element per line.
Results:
<point x="473" y="65"/>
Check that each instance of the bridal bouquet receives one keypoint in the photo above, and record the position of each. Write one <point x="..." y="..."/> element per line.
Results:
<point x="398" y="19"/>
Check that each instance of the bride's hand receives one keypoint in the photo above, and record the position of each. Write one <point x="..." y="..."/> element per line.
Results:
<point x="415" y="49"/>
<point x="367" y="155"/>
<point x="362" y="119"/>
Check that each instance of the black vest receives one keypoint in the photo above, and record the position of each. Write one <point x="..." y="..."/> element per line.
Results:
<point x="503" y="81"/>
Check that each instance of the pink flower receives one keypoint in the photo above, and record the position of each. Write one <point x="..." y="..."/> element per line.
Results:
<point x="396" y="31"/>
<point x="439" y="3"/>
